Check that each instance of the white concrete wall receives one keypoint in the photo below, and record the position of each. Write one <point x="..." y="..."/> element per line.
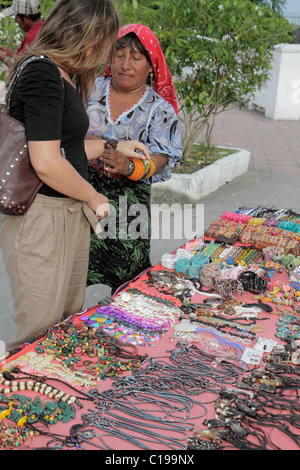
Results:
<point x="1" y="90"/>
<point x="197" y="185"/>
<point x="280" y="98"/>
<point x="2" y="86"/>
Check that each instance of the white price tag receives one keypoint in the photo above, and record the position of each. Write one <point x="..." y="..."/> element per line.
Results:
<point x="252" y="356"/>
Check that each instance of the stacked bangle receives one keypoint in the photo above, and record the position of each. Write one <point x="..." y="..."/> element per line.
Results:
<point x="143" y="169"/>
<point x="138" y="171"/>
<point x="150" y="168"/>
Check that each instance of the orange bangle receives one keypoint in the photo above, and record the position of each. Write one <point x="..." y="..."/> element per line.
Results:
<point x="139" y="170"/>
<point x="143" y="169"/>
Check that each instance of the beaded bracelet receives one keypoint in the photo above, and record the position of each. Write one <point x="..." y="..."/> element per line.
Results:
<point x="110" y="143"/>
<point x="254" y="283"/>
<point x="209" y="272"/>
<point x="227" y="287"/>
<point x="150" y="167"/>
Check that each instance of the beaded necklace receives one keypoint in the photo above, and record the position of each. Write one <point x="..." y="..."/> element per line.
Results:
<point x="21" y="409"/>
<point x="127" y="328"/>
<point x="132" y="108"/>
<point x="12" y="437"/>
<point x="79" y="355"/>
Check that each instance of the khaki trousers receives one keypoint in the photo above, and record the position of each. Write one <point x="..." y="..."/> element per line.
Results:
<point x="46" y="253"/>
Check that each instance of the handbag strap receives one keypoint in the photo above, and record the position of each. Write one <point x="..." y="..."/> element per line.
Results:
<point x="18" y="73"/>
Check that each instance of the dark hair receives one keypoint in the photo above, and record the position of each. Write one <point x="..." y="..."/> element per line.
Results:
<point x="34" y="17"/>
<point x="134" y="43"/>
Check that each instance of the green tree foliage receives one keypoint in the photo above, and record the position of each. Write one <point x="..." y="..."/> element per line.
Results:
<point x="219" y="52"/>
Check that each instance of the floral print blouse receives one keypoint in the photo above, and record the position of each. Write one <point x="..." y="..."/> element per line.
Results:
<point x="152" y="120"/>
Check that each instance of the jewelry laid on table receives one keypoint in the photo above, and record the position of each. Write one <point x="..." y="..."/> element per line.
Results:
<point x="288" y="328"/>
<point x="24" y="410"/>
<point x="244" y="412"/>
<point x="79" y="355"/>
<point x="168" y="260"/>
<point x="15" y="379"/>
<point x="12" y="437"/>
<point x="146" y="307"/>
<point x="154" y="406"/>
<point x="229" y="331"/>
<point x="133" y="318"/>
<point x="227" y="287"/>
<point x="208" y="341"/>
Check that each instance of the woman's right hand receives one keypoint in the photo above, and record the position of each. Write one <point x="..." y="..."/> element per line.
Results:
<point x="99" y="205"/>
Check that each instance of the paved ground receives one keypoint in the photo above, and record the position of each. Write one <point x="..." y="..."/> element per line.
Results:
<point x="274" y="145"/>
<point x="273" y="180"/>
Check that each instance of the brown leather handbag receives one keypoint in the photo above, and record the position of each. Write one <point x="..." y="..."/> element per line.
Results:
<point x="19" y="183"/>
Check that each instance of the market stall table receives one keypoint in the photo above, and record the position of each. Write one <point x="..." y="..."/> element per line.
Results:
<point x="199" y="352"/>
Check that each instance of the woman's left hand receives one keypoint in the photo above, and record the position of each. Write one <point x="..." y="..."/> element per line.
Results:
<point x="94" y="147"/>
<point x="129" y="148"/>
<point x="116" y="162"/>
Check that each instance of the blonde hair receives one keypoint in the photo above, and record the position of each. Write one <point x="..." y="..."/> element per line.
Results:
<point x="72" y="28"/>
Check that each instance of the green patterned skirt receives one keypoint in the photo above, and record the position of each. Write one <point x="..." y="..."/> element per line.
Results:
<point x="122" y="250"/>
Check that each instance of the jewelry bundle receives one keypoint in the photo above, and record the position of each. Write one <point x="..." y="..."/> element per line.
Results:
<point x="12" y="437"/>
<point x="209" y="273"/>
<point x="258" y="231"/>
<point x="24" y="410"/>
<point x="227" y="287"/>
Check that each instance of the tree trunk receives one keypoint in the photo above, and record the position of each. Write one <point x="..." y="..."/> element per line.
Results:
<point x="190" y="137"/>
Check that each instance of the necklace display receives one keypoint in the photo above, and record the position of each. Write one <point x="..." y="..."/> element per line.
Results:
<point x="24" y="411"/>
<point x="155" y="405"/>
<point x="151" y="402"/>
<point x="132" y="318"/>
<point x="73" y="355"/>
<point x="261" y="400"/>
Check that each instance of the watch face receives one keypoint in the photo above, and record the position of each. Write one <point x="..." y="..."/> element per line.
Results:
<point x="131" y="167"/>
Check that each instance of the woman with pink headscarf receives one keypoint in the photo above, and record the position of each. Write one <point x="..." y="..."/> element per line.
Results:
<point x="134" y="100"/>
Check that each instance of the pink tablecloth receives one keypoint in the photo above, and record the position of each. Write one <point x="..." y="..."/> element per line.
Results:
<point x="161" y="352"/>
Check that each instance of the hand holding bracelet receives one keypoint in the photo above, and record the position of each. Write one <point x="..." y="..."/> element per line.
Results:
<point x="111" y="144"/>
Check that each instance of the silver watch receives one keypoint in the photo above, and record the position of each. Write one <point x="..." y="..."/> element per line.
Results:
<point x="131" y="168"/>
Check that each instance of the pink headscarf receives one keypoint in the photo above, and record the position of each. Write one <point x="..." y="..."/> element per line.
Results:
<point x="163" y="83"/>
